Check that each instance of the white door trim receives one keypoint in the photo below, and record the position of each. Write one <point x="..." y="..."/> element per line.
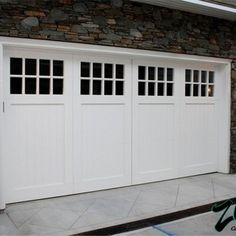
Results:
<point x="2" y="202"/>
<point x="225" y="118"/>
<point x="131" y="53"/>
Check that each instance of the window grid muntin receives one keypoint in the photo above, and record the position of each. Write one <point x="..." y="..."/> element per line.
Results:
<point x="37" y="76"/>
<point x="103" y="80"/>
<point x="23" y="76"/>
<point x="200" y="83"/>
<point x="160" y="81"/>
<point x="51" y="79"/>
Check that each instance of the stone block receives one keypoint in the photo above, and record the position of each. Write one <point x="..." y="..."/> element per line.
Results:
<point x="58" y="15"/>
<point x="79" y="29"/>
<point x="30" y="22"/>
<point x="116" y="3"/>
<point x="100" y="20"/>
<point x="135" y="33"/>
<point x="80" y="7"/>
<point x="34" y="13"/>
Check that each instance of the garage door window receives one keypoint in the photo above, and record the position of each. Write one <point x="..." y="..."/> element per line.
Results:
<point x="101" y="78"/>
<point x="199" y="83"/>
<point x="36" y="76"/>
<point x="155" y="81"/>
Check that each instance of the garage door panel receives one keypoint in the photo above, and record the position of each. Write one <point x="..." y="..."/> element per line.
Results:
<point x="103" y="138"/>
<point x="41" y="147"/>
<point x="102" y="123"/>
<point x="200" y="137"/>
<point x="154" y="130"/>
<point x="37" y="115"/>
<point x="155" y="133"/>
<point x="37" y="146"/>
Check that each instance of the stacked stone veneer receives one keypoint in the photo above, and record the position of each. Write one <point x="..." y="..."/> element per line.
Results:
<point x="124" y="24"/>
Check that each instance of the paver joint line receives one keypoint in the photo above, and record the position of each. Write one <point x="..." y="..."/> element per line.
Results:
<point x="177" y="194"/>
<point x="134" y="203"/>
<point x="213" y="188"/>
<point x="158" y="227"/>
<point x="27" y="220"/>
<point x="82" y="214"/>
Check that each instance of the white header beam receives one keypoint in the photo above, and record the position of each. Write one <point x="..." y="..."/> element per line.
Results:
<point x="88" y="48"/>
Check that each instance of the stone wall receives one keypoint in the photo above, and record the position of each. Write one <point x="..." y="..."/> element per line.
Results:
<point x="124" y="23"/>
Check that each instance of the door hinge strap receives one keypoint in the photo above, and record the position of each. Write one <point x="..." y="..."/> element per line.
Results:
<point x="3" y="107"/>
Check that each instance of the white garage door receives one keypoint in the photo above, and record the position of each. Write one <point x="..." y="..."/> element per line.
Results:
<point x="78" y="123"/>
<point x="155" y="128"/>
<point x="102" y="123"/>
<point x="38" y="110"/>
<point x="175" y="120"/>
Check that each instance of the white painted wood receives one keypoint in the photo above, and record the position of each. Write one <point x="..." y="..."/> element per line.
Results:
<point x="199" y="143"/>
<point x="199" y="130"/>
<point x="75" y="48"/>
<point x="102" y="134"/>
<point x="2" y="201"/>
<point x="224" y="120"/>
<point x="179" y="136"/>
<point x="57" y="145"/>
<point x="154" y="131"/>
<point x="37" y="138"/>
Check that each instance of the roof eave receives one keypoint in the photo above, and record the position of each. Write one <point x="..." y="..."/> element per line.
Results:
<point x="197" y="6"/>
